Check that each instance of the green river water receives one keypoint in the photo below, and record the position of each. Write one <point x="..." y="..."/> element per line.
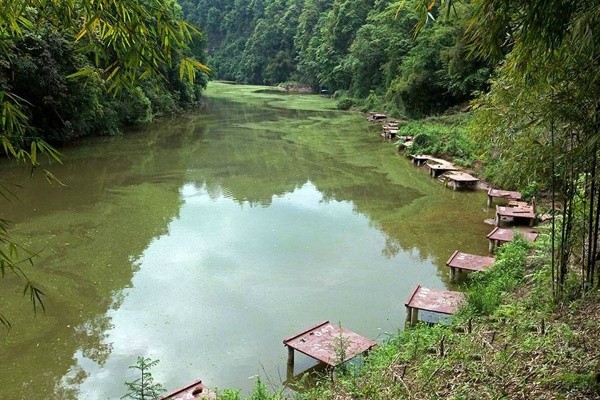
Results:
<point x="202" y="241"/>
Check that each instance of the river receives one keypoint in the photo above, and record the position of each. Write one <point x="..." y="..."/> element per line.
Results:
<point x="204" y="240"/>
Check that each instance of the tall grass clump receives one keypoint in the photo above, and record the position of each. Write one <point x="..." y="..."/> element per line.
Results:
<point x="486" y="289"/>
<point x="444" y="136"/>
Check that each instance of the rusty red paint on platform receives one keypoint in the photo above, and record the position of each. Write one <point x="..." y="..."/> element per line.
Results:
<point x="522" y="212"/>
<point x="506" y="235"/>
<point x="323" y="341"/>
<point x="195" y="390"/>
<point x="461" y="177"/>
<point x="504" y="194"/>
<point x="516" y="212"/>
<point x="435" y="300"/>
<point x="470" y="262"/>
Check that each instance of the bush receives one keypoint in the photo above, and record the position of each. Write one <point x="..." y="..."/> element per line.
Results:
<point x="345" y="103"/>
<point x="422" y="141"/>
<point x="487" y="288"/>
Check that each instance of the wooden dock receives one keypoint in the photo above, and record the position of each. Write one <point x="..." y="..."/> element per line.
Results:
<point x="327" y="343"/>
<point x="460" y="180"/>
<point x="523" y="213"/>
<point x="389" y="131"/>
<point x="433" y="300"/>
<point x="420" y="159"/>
<point x="498" y="236"/>
<point x="502" y="194"/>
<point x="436" y="170"/>
<point x="375" y="116"/>
<point x="194" y="391"/>
<point x="468" y="262"/>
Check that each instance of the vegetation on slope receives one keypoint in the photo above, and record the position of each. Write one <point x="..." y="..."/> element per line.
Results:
<point x="364" y="51"/>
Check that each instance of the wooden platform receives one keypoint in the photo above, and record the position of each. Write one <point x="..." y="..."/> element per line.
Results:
<point x="502" y="194"/>
<point x="498" y="236"/>
<point x="420" y="159"/>
<point x="374" y="116"/>
<point x="468" y="262"/>
<point x="389" y="131"/>
<point x="436" y="170"/>
<point x="526" y="213"/>
<point x="460" y="180"/>
<point x="433" y="300"/>
<point x="326" y="342"/>
<point x="194" y="391"/>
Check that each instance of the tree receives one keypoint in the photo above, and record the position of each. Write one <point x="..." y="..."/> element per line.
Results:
<point x="544" y="108"/>
<point x="143" y="388"/>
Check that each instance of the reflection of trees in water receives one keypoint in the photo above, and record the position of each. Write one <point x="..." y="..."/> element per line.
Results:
<point x="392" y="247"/>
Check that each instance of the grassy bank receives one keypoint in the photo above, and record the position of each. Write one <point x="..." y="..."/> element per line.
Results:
<point x="445" y="136"/>
<point x="508" y="342"/>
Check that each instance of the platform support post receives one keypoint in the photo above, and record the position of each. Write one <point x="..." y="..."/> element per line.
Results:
<point x="489" y="201"/>
<point x="290" y="363"/>
<point x="452" y="273"/>
<point x="414" y="316"/>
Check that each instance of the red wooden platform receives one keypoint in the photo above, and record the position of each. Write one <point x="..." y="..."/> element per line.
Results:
<point x="323" y="341"/>
<point x="434" y="300"/>
<point x="194" y="391"/>
<point x="502" y="194"/>
<point x="468" y="262"/>
<point x="499" y="236"/>
<point x="523" y="212"/>
<point x="460" y="180"/>
<point x="437" y="169"/>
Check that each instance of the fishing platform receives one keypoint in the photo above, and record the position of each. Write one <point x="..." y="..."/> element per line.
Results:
<point x="519" y="213"/>
<point x="327" y="343"/>
<point x="502" y="194"/>
<point x="498" y="236"/>
<point x="468" y="262"/>
<point x="438" y="169"/>
<point x="433" y="300"/>
<point x="460" y="180"/>
<point x="194" y="391"/>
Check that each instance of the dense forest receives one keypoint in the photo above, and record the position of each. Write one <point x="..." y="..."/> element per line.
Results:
<point x="71" y="80"/>
<point x="364" y="51"/>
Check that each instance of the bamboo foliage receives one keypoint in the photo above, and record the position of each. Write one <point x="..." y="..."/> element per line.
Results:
<point x="542" y="116"/>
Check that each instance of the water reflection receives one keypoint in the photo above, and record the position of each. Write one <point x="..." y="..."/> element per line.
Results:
<point x="214" y="297"/>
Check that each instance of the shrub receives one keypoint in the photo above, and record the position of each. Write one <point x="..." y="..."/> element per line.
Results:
<point x="487" y="288"/>
<point x="345" y="103"/>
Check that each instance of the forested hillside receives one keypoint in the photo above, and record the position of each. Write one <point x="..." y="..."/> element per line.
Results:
<point x="366" y="51"/>
<point x="69" y="70"/>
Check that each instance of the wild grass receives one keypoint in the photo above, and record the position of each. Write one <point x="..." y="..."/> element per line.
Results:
<point x="442" y="136"/>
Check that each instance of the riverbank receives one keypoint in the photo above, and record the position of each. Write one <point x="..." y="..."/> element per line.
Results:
<point x="521" y="347"/>
<point x="512" y="340"/>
